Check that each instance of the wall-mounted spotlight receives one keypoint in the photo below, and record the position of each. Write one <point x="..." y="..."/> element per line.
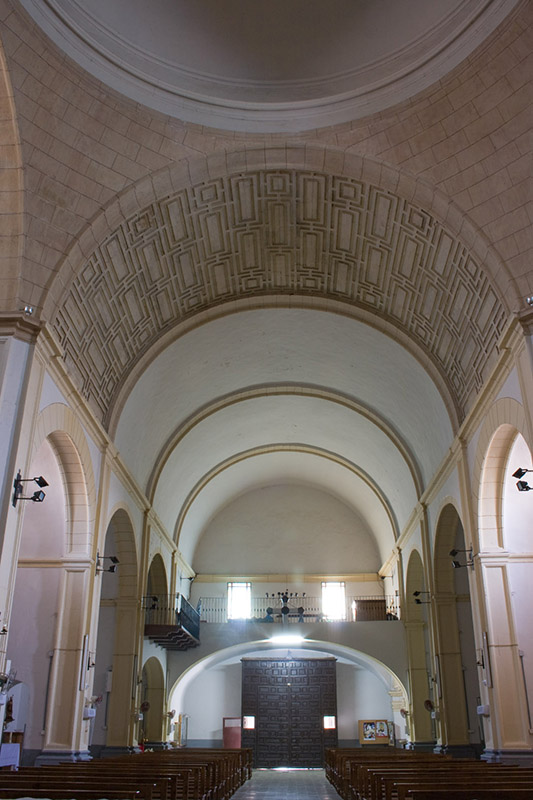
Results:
<point x="37" y="497"/>
<point x="470" y="558"/>
<point x="100" y="563"/>
<point x="522" y="486"/>
<point x="419" y="602"/>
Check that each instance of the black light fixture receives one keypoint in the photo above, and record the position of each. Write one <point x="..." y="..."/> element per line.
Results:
<point x="37" y="497"/>
<point x="470" y="558"/>
<point x="419" y="602"/>
<point x="522" y="486"/>
<point x="100" y="563"/>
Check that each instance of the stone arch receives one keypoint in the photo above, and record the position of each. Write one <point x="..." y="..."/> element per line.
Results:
<point x="125" y="543"/>
<point x="504" y="420"/>
<point x="203" y="235"/>
<point x="448" y="528"/>
<point x="59" y="425"/>
<point x="387" y="677"/>
<point x="157" y="579"/>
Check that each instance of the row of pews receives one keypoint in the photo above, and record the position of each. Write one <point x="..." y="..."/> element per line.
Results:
<point x="407" y="775"/>
<point x="188" y="774"/>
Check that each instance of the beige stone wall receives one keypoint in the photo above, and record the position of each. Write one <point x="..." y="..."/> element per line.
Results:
<point x="468" y="135"/>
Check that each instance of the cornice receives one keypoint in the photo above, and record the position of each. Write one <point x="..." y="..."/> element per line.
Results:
<point x="20" y="325"/>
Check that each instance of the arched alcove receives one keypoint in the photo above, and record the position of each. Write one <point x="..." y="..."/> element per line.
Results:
<point x="157" y="584"/>
<point x="152" y="701"/>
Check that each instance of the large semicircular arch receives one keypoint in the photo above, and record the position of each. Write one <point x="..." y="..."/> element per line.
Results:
<point x="305" y="221"/>
<point x="388" y="678"/>
<point x="280" y="448"/>
<point x="287" y="389"/>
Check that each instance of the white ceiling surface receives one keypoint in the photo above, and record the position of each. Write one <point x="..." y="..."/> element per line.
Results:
<point x="268" y="65"/>
<point x="283" y="349"/>
<point x="288" y="468"/>
<point x="308" y="530"/>
<point x="288" y="420"/>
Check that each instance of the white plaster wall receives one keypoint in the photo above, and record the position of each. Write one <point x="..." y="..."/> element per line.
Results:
<point x="31" y="638"/>
<point x="511" y="387"/>
<point x="290" y="529"/>
<point x="517" y="505"/>
<point x="216" y="693"/>
<point x="449" y="489"/>
<point x="360" y="695"/>
<point x="44" y="526"/>
<point x="50" y="393"/>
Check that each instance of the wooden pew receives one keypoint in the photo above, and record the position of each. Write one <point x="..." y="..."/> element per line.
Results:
<point x="498" y="793"/>
<point x="61" y="794"/>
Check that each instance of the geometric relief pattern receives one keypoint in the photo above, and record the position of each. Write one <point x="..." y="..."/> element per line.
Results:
<point x="278" y="231"/>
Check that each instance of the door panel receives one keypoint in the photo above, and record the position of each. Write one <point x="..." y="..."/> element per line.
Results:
<point x="288" y="698"/>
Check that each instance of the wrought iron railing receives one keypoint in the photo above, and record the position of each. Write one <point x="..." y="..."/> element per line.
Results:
<point x="171" y="609"/>
<point x="304" y="609"/>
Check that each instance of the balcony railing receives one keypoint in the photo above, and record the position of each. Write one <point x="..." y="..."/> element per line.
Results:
<point x="171" y="620"/>
<point x="304" y="609"/>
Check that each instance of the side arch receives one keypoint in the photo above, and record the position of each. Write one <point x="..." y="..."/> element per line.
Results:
<point x="59" y="425"/>
<point x="504" y="420"/>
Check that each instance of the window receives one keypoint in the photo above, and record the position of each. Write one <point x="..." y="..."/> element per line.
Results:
<point x="333" y="600"/>
<point x="239" y="600"/>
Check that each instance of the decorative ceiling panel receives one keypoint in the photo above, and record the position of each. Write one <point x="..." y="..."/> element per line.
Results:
<point x="278" y="232"/>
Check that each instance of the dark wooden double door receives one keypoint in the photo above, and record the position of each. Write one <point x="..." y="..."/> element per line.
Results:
<point x="288" y="699"/>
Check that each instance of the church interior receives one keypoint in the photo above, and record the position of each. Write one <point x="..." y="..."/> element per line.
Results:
<point x="266" y="378"/>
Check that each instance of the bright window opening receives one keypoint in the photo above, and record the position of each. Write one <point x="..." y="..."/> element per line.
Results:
<point x="334" y="600"/>
<point x="239" y="600"/>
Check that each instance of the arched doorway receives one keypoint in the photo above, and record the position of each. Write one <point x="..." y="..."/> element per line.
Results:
<point x="152" y="703"/>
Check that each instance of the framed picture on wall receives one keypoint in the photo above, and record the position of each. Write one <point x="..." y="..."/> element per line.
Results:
<point x="373" y="731"/>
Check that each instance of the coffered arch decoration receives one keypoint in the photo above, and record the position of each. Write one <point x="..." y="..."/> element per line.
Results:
<point x="279" y="232"/>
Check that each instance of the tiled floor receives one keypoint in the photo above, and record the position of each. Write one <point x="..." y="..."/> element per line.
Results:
<point x="301" y="784"/>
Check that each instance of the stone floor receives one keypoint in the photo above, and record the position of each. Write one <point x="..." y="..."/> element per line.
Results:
<point x="276" y="784"/>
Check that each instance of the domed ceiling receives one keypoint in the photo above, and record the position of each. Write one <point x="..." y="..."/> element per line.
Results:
<point x="268" y="65"/>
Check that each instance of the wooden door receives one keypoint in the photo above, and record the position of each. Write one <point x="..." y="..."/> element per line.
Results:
<point x="288" y="699"/>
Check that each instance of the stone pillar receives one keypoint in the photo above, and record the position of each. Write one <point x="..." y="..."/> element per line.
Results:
<point x="508" y="721"/>
<point x="121" y="720"/>
<point x="421" y="733"/>
<point x="451" y="691"/>
<point x="67" y="733"/>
